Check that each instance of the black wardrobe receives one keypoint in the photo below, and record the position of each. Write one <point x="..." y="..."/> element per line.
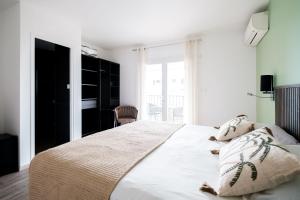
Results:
<point x="52" y="95"/>
<point x="100" y="94"/>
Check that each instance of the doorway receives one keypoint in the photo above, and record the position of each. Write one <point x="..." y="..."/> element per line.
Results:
<point x="164" y="91"/>
<point x="52" y="95"/>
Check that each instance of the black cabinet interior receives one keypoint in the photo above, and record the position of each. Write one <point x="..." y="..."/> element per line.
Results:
<point x="100" y="94"/>
<point x="114" y="84"/>
<point x="52" y="95"/>
<point x="107" y="119"/>
<point x="105" y="86"/>
<point x="90" y="95"/>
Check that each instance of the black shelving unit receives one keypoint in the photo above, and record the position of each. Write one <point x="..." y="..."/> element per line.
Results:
<point x="114" y="84"/>
<point x="110" y="92"/>
<point x="90" y="95"/>
<point x="100" y="94"/>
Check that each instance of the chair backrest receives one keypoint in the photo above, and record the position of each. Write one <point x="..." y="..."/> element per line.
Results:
<point x="126" y="112"/>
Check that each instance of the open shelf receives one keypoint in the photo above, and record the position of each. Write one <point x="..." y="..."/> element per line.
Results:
<point x="89" y="99"/>
<point x="89" y="70"/>
<point x="89" y="104"/>
<point x="92" y="85"/>
<point x="100" y="94"/>
<point x="90" y="95"/>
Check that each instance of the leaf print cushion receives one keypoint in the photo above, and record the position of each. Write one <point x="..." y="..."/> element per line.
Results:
<point x="234" y="128"/>
<point x="255" y="162"/>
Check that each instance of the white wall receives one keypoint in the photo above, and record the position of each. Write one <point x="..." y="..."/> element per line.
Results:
<point x="9" y="68"/>
<point x="128" y="72"/>
<point x="227" y="73"/>
<point x="40" y="22"/>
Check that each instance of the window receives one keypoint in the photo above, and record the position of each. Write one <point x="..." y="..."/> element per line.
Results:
<point x="175" y="91"/>
<point x="164" y="91"/>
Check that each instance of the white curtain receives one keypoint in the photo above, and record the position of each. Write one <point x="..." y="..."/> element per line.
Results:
<point x="140" y="81"/>
<point x="191" y="100"/>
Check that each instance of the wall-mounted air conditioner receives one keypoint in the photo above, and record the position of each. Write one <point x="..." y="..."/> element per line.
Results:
<point x="257" y="28"/>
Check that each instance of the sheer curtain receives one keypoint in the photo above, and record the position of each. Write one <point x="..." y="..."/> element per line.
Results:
<point x="140" y="82"/>
<point x="191" y="100"/>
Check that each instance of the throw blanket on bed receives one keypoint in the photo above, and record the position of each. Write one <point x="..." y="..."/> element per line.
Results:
<point x="90" y="168"/>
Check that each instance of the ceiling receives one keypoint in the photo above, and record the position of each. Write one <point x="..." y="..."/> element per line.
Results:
<point x="116" y="23"/>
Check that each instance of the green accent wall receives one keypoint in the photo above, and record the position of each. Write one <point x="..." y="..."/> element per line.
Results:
<point x="279" y="52"/>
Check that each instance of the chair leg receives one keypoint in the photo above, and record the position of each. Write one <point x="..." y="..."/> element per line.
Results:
<point x="115" y="122"/>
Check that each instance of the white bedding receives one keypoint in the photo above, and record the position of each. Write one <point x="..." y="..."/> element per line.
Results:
<point x="176" y="170"/>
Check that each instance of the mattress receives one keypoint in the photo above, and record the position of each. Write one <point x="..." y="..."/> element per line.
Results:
<point x="176" y="170"/>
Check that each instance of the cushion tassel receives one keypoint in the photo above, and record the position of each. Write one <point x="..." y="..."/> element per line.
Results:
<point x="212" y="138"/>
<point x="215" y="151"/>
<point x="251" y="128"/>
<point x="269" y="131"/>
<point x="206" y="188"/>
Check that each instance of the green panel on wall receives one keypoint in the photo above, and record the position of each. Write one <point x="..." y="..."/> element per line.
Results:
<point x="279" y="52"/>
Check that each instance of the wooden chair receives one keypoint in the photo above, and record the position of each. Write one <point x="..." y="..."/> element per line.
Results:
<point x="125" y="114"/>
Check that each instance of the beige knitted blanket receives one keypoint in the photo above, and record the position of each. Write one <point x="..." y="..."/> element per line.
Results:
<point x="90" y="168"/>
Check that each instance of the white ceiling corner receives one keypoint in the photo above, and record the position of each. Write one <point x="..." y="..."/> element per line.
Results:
<point x="115" y="23"/>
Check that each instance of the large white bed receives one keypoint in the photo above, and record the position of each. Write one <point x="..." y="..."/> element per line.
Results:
<point x="176" y="170"/>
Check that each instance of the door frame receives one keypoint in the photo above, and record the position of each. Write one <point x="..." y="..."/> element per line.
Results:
<point x="164" y="73"/>
<point x="32" y="88"/>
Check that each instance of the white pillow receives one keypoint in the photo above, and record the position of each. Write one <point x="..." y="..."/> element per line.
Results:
<point x="234" y="128"/>
<point x="281" y="135"/>
<point x="253" y="163"/>
<point x="285" y="191"/>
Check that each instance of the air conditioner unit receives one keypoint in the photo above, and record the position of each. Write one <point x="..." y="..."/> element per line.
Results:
<point x="257" y="28"/>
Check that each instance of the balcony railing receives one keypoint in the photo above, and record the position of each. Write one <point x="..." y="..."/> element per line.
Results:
<point x="174" y="107"/>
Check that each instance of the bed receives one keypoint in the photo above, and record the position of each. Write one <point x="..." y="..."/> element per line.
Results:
<point x="175" y="170"/>
<point x="172" y="168"/>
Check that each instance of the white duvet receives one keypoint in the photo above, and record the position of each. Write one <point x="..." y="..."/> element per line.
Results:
<point x="176" y="170"/>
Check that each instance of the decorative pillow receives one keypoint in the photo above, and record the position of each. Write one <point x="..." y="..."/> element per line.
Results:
<point x="289" y="190"/>
<point x="255" y="162"/>
<point x="279" y="134"/>
<point x="234" y="128"/>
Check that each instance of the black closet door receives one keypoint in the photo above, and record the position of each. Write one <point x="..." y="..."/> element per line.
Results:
<point x="52" y="95"/>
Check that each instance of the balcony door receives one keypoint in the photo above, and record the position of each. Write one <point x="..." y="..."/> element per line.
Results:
<point x="164" y="92"/>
